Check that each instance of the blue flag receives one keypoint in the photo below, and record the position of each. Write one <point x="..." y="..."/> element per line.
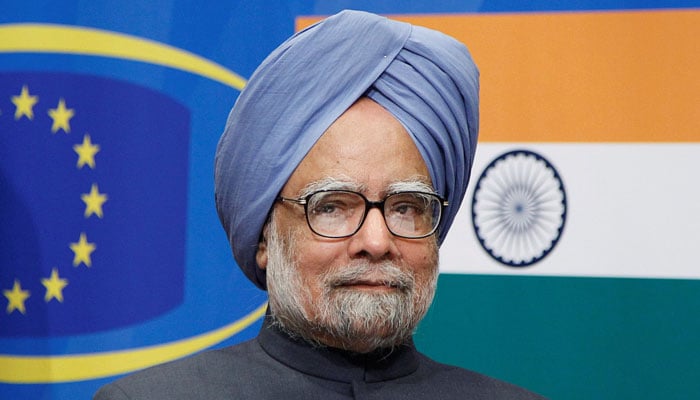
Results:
<point x="93" y="191"/>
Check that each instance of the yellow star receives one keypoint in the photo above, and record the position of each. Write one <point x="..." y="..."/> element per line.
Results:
<point x="86" y="152"/>
<point x="24" y="104"/>
<point x="16" y="298"/>
<point x="61" y="117"/>
<point x="82" y="250"/>
<point x="54" y="286"/>
<point x="93" y="201"/>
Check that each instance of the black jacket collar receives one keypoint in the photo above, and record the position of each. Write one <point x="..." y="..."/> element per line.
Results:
<point x="335" y="364"/>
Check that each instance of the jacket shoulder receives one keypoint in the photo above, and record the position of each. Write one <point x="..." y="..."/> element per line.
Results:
<point x="210" y="374"/>
<point x="457" y="382"/>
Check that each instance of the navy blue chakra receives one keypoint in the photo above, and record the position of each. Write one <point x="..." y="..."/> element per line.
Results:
<point x="519" y="208"/>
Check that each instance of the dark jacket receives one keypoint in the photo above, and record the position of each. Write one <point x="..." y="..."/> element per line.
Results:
<point x="275" y="366"/>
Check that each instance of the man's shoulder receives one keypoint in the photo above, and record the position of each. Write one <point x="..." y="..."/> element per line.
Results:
<point x="471" y="384"/>
<point x="214" y="370"/>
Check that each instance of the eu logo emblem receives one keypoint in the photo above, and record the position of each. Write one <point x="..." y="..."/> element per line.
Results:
<point x="93" y="176"/>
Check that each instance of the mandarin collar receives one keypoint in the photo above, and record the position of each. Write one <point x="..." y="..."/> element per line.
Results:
<point x="335" y="364"/>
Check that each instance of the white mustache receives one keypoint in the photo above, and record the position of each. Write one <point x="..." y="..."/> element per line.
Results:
<point x="386" y="274"/>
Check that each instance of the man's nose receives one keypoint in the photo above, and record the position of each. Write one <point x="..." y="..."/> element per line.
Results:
<point x="374" y="238"/>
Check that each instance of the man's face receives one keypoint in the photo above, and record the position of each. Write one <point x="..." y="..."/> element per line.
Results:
<point x="368" y="290"/>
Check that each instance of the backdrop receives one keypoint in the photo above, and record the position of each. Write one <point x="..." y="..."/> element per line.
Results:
<point x="572" y="268"/>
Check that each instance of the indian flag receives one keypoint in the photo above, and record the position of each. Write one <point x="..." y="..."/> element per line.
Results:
<point x="573" y="267"/>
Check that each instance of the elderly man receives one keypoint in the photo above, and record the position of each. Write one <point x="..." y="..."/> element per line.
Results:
<point x="341" y="168"/>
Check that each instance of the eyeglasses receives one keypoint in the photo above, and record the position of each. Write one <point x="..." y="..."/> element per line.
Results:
<point x="340" y="213"/>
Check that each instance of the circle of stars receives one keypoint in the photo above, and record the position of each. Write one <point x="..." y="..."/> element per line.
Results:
<point x="94" y="200"/>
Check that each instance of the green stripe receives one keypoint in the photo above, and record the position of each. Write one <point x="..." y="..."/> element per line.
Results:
<point x="571" y="338"/>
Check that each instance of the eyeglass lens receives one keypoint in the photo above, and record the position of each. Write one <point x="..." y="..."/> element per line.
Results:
<point x="341" y="213"/>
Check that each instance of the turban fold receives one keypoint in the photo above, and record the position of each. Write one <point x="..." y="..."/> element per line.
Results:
<point x="426" y="79"/>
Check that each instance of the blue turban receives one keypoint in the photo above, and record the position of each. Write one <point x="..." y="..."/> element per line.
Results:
<point x="426" y="79"/>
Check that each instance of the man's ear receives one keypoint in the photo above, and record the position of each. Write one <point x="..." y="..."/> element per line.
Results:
<point x="261" y="254"/>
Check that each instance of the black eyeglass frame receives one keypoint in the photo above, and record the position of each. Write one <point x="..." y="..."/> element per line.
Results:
<point x="368" y="206"/>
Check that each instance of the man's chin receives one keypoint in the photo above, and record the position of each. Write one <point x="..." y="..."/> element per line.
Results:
<point x="363" y="336"/>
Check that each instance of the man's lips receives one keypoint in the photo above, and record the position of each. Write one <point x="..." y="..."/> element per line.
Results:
<point x="368" y="284"/>
<point x="371" y="278"/>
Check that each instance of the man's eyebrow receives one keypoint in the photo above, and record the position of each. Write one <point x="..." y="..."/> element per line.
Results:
<point x="411" y="185"/>
<point x="331" y="183"/>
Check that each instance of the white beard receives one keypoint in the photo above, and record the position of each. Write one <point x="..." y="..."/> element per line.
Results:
<point x="350" y="319"/>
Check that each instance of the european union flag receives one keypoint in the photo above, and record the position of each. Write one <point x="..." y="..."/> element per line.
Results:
<point x="93" y="194"/>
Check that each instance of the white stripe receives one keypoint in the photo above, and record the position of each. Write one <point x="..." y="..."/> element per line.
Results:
<point x="633" y="211"/>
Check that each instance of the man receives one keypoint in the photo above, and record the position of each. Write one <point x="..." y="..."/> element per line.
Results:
<point x="341" y="168"/>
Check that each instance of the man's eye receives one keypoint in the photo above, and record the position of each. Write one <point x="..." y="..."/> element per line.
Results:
<point x="409" y="208"/>
<point x="330" y="206"/>
<point x="326" y="208"/>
